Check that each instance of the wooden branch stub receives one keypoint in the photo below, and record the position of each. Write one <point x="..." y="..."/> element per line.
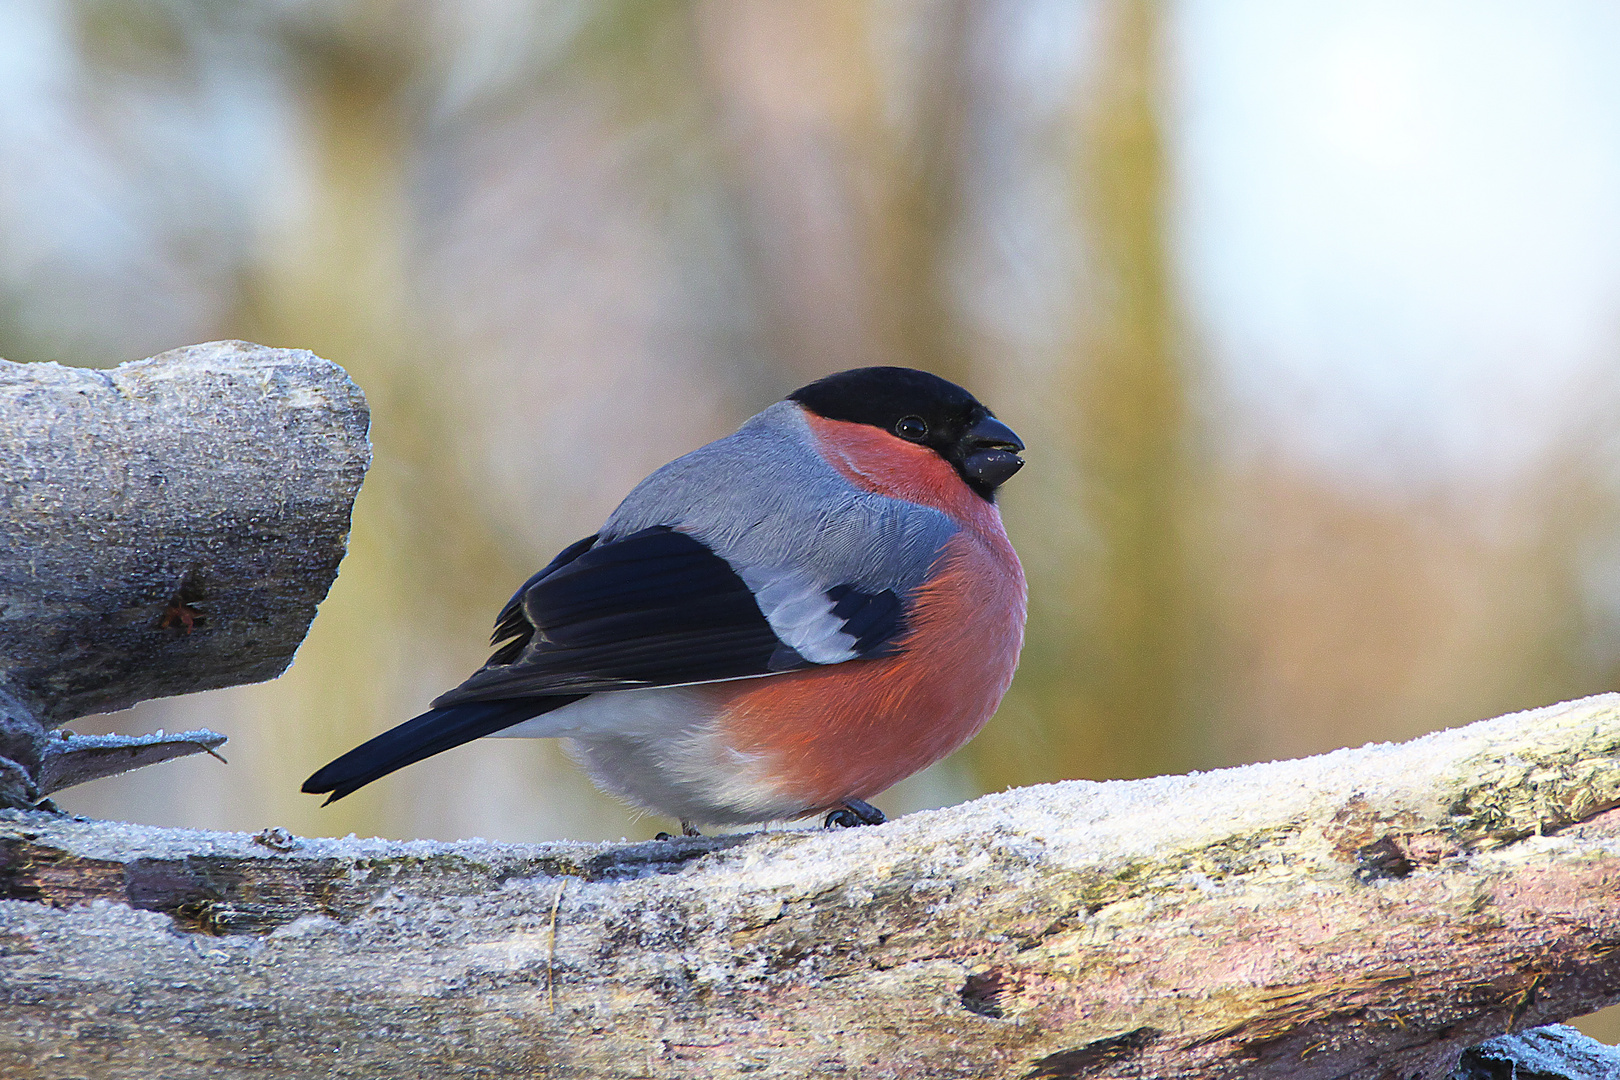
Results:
<point x="171" y="524"/>
<point x="1550" y="1053"/>
<point x="22" y="739"/>
<point x="70" y="759"/>
<point x="1369" y="913"/>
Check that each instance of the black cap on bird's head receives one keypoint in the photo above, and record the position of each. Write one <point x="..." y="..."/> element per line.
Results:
<point x="924" y="409"/>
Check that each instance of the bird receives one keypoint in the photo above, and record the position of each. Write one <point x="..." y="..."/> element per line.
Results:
<point x="778" y="625"/>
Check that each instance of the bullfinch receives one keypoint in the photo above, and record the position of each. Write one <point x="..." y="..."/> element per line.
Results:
<point x="784" y="622"/>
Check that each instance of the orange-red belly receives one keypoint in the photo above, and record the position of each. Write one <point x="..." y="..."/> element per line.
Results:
<point x="855" y="729"/>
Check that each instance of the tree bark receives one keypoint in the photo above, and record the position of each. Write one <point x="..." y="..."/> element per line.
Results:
<point x="1550" y="1053"/>
<point x="1368" y="913"/>
<point x="169" y="526"/>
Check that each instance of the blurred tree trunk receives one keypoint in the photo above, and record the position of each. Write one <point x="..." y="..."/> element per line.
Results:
<point x="847" y="203"/>
<point x="333" y="279"/>
<point x="1134" y="413"/>
<point x="339" y="279"/>
<point x="1103" y="687"/>
<point x="925" y="176"/>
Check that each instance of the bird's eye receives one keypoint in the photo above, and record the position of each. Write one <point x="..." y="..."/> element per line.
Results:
<point x="913" y="428"/>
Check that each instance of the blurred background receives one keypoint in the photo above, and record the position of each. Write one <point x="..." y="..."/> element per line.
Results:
<point x="1309" y="314"/>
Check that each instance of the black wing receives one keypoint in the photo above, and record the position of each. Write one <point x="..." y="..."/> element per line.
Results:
<point x="656" y="608"/>
<point x="512" y="623"/>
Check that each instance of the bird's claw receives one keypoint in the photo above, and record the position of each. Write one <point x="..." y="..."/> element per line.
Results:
<point x="854" y="813"/>
<point x="687" y="829"/>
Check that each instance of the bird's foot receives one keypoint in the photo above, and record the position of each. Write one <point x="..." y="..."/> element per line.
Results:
<point x="687" y="829"/>
<point x="854" y="813"/>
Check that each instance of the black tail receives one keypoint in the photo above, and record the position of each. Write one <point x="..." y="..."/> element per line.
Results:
<point x="433" y="732"/>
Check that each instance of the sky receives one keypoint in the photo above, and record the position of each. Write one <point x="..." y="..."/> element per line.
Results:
<point x="1399" y="223"/>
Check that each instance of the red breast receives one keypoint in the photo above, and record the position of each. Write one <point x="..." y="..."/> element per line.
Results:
<point x="852" y="730"/>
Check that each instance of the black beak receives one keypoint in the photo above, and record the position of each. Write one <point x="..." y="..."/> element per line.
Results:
<point x="990" y="453"/>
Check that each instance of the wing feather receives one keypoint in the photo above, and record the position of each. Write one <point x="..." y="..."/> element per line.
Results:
<point x="659" y="608"/>
<point x="656" y="608"/>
